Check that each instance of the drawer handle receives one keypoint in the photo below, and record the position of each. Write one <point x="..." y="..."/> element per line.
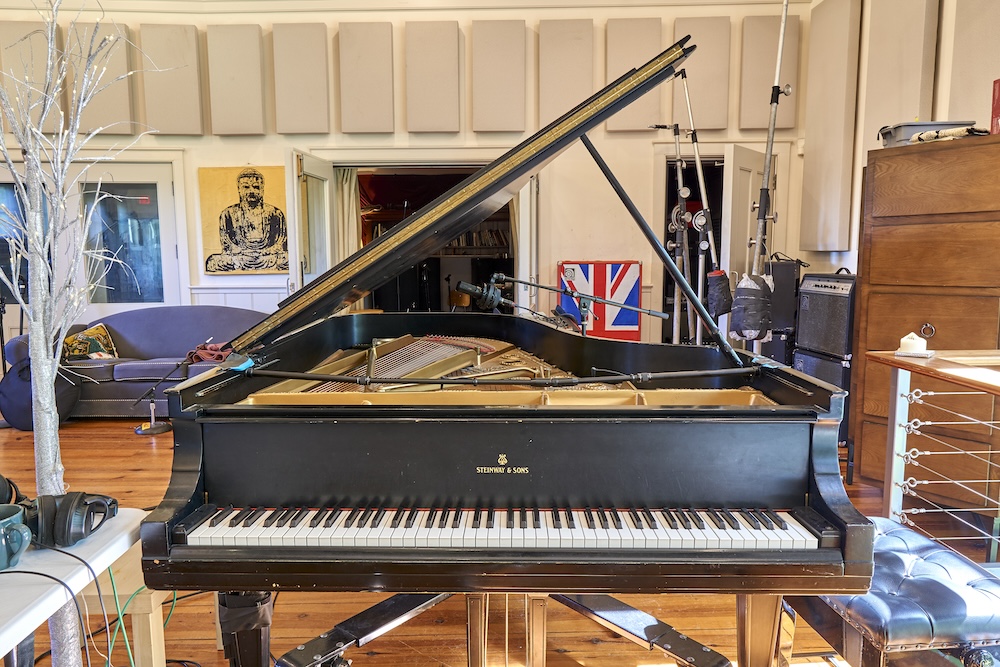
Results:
<point x="928" y="330"/>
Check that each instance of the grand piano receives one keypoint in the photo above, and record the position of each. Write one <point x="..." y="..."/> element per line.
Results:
<point x="477" y="452"/>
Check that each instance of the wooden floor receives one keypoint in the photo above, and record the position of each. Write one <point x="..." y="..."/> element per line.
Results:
<point x="107" y="457"/>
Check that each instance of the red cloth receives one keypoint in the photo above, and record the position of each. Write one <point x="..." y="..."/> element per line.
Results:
<point x="208" y="352"/>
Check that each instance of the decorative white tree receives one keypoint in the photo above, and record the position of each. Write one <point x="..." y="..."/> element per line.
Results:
<point x="45" y="86"/>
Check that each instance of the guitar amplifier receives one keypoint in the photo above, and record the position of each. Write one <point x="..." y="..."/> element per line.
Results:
<point x="832" y="369"/>
<point x="826" y="307"/>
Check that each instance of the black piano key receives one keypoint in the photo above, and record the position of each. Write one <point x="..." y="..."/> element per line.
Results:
<point x="730" y="519"/>
<point x="242" y="514"/>
<point x="273" y="517"/>
<point x="510" y="517"/>
<point x="716" y="519"/>
<point x="366" y="514"/>
<point x="589" y="515"/>
<point x="286" y="516"/>
<point x="682" y="517"/>
<point x="636" y="519"/>
<point x="253" y="516"/>
<point x="379" y="515"/>
<point x="570" y="521"/>
<point x="616" y="518"/>
<point x="556" y="521"/>
<point x="352" y="517"/>
<point x="536" y="518"/>
<point x="650" y="519"/>
<point x="602" y="516"/>
<point x="299" y="516"/>
<point x="476" y="517"/>
<point x="221" y="516"/>
<point x="411" y="516"/>
<point x="443" y="521"/>
<point x="430" y="517"/>
<point x="668" y="516"/>
<point x="397" y="518"/>
<point x="763" y="518"/>
<point x="318" y="517"/>
<point x="457" y="521"/>
<point x="331" y="518"/>
<point x="490" y="518"/>
<point x="696" y="519"/>
<point x="524" y="518"/>
<point x="750" y="518"/>
<point x="778" y="521"/>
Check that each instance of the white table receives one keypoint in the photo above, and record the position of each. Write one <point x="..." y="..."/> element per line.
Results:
<point x="29" y="600"/>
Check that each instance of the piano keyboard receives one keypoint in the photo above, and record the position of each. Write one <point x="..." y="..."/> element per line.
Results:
<point x="373" y="527"/>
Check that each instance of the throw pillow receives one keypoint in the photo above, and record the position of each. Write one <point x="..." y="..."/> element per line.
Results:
<point x="92" y="343"/>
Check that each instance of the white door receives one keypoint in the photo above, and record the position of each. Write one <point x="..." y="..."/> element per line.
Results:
<point x="743" y="173"/>
<point x="133" y="219"/>
<point x="312" y="242"/>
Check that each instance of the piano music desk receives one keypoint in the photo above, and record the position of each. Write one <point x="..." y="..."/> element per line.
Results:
<point x="29" y="600"/>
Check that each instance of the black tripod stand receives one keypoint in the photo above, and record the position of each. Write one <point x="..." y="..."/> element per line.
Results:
<point x="153" y="427"/>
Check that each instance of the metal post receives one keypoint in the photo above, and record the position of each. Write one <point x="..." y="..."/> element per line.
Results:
<point x="895" y="447"/>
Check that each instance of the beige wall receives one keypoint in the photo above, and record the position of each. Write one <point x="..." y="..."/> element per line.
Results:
<point x="579" y="215"/>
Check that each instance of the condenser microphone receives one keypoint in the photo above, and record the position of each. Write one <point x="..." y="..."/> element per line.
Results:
<point x="487" y="297"/>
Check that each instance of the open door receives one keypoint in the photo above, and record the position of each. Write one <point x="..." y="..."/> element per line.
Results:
<point x="312" y="234"/>
<point x="742" y="176"/>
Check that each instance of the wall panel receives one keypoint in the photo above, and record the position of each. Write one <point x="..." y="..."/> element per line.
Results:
<point x="236" y="79"/>
<point x="760" y="55"/>
<point x="565" y="66"/>
<point x="630" y="44"/>
<point x="111" y="108"/>
<point x="974" y="68"/>
<point x="830" y="110"/>
<point x="707" y="73"/>
<point x="366" y="87"/>
<point x="31" y="52"/>
<point x="432" y="76"/>
<point x="171" y="74"/>
<point x="498" y="76"/>
<point x="301" y="78"/>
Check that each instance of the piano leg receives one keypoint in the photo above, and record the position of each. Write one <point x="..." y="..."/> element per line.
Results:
<point x="535" y="620"/>
<point x="245" y="620"/>
<point x="476" y="608"/>
<point x="758" y="619"/>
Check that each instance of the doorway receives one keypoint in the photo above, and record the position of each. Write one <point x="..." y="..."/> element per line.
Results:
<point x="388" y="196"/>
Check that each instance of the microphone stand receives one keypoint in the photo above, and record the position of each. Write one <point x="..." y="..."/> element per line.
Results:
<point x="153" y="427"/>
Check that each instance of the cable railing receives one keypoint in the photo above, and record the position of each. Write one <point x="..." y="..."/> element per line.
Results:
<point x="942" y="464"/>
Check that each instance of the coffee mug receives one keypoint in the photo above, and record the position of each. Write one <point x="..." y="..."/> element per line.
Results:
<point x="14" y="535"/>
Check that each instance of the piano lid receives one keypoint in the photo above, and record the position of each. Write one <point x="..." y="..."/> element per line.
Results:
<point x="456" y="211"/>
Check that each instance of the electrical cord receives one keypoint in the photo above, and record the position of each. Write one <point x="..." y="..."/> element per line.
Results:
<point x="79" y="612"/>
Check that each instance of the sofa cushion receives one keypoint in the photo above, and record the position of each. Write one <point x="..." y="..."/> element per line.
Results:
<point x="91" y="343"/>
<point x="173" y="331"/>
<point x="150" y="370"/>
<point x="93" y="370"/>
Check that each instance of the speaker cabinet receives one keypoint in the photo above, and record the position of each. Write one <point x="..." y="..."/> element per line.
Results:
<point x="826" y="304"/>
<point x="835" y="370"/>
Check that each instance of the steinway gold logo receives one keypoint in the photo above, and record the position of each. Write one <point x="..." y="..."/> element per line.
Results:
<point x="501" y="468"/>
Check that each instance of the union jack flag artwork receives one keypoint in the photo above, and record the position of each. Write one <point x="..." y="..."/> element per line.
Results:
<point x="614" y="281"/>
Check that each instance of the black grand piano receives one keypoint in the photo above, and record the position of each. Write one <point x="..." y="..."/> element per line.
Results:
<point x="472" y="452"/>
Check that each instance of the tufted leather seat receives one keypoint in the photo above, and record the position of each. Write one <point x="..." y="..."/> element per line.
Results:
<point x="923" y="597"/>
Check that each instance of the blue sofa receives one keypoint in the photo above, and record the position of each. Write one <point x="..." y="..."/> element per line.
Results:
<point x="150" y="343"/>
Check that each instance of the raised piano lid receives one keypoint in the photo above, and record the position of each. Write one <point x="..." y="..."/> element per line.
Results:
<point x="456" y="211"/>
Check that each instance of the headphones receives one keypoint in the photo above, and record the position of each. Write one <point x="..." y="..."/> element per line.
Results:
<point x="9" y="493"/>
<point x="62" y="521"/>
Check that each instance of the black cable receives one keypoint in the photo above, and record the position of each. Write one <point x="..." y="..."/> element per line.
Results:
<point x="97" y="585"/>
<point x="72" y="596"/>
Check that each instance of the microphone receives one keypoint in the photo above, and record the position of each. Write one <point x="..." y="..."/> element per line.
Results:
<point x="487" y="297"/>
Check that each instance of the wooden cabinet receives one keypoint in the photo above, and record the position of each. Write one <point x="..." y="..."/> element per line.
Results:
<point x="930" y="264"/>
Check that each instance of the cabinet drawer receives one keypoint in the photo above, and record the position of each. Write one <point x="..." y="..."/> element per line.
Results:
<point x="949" y="254"/>
<point x="959" y="322"/>
<point x="956" y="467"/>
